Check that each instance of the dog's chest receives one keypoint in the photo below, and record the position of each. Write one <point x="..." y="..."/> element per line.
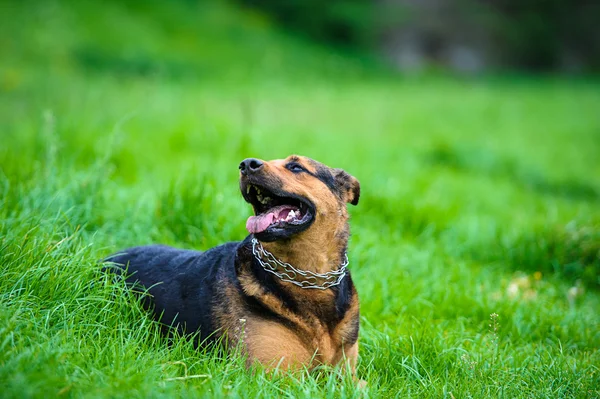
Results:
<point x="269" y="342"/>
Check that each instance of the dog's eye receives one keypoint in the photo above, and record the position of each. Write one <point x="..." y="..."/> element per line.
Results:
<point x="294" y="167"/>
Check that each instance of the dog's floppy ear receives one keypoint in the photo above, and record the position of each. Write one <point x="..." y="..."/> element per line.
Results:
<point x="348" y="185"/>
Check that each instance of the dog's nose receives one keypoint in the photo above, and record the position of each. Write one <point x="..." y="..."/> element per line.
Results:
<point x="250" y="165"/>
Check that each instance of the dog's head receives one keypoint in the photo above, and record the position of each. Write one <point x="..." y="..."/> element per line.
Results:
<point x="294" y="195"/>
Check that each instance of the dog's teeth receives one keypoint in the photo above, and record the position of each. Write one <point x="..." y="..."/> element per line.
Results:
<point x="291" y="215"/>
<point x="248" y="189"/>
<point x="257" y="190"/>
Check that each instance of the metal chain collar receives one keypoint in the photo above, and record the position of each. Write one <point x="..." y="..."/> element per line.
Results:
<point x="288" y="273"/>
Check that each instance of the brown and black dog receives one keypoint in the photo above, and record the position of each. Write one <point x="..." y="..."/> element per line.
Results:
<point x="283" y="294"/>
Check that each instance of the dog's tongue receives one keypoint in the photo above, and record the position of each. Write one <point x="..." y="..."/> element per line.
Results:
<point x="259" y="223"/>
<point x="256" y="224"/>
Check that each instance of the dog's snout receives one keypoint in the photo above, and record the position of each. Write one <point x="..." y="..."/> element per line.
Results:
<point x="250" y="165"/>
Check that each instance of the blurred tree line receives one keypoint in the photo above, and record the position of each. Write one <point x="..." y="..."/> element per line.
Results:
<point x="465" y="35"/>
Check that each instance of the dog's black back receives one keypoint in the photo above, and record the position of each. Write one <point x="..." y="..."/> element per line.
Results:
<point x="184" y="285"/>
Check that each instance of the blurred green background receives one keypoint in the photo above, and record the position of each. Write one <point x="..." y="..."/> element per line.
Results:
<point x="473" y="127"/>
<point x="465" y="35"/>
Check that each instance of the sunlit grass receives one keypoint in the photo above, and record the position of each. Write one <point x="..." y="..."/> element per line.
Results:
<point x="479" y="198"/>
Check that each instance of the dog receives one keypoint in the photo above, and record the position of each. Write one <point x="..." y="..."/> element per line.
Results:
<point x="284" y="294"/>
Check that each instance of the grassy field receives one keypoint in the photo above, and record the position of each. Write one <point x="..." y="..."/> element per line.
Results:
<point x="475" y="246"/>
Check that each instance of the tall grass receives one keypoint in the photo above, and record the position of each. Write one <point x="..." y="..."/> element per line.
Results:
<point x="475" y="246"/>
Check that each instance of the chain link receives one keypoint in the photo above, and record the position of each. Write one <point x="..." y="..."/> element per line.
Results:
<point x="290" y="274"/>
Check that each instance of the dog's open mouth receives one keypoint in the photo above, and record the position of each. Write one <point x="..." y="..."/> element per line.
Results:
<point x="276" y="212"/>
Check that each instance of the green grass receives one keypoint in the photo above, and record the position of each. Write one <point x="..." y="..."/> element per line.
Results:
<point x="123" y="125"/>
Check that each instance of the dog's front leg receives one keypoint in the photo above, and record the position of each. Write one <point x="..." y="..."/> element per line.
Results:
<point x="348" y="360"/>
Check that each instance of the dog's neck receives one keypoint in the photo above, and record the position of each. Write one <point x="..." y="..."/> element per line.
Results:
<point x="308" y="251"/>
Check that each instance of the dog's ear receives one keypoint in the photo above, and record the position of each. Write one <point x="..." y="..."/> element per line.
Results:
<point x="348" y="186"/>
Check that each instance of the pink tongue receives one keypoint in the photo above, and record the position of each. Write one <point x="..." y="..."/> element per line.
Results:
<point x="258" y="223"/>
